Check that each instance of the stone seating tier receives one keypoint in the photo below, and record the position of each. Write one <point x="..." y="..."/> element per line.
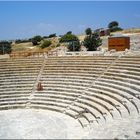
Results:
<point x="90" y="89"/>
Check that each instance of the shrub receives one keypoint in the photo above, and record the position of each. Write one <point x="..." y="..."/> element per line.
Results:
<point x="74" y="46"/>
<point x="52" y="35"/>
<point x="72" y="41"/>
<point x="69" y="32"/>
<point x="22" y="40"/>
<point x="46" y="44"/>
<point x="114" y="26"/>
<point x="88" y="31"/>
<point x="45" y="37"/>
<point x="68" y="38"/>
<point x="36" y="39"/>
<point x="114" y="29"/>
<point x="92" y="42"/>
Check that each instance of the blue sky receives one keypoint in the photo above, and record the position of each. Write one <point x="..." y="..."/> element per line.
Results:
<point x="25" y="19"/>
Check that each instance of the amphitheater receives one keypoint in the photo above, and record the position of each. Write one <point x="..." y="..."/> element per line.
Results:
<point x="83" y="97"/>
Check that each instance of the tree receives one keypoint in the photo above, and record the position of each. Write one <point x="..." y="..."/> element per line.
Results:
<point x="52" y="35"/>
<point x="5" y="47"/>
<point x="92" y="41"/>
<point x="36" y="39"/>
<point x="88" y="31"/>
<point x="68" y="38"/>
<point x="22" y="40"/>
<point x="69" y="32"/>
<point x="46" y="44"/>
<point x="72" y="41"/>
<point x="74" y="46"/>
<point x="114" y="26"/>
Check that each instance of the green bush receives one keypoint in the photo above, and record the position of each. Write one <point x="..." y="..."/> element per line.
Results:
<point x="88" y="31"/>
<point x="74" y="46"/>
<point x="72" y="41"/>
<point x="114" y="26"/>
<point x="23" y="40"/>
<point x="36" y="39"/>
<point x="92" y="42"/>
<point x="69" y="32"/>
<point x="46" y="44"/>
<point x="68" y="38"/>
<point x="52" y="35"/>
<point x="114" y="29"/>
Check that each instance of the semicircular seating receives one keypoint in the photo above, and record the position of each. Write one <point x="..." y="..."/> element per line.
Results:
<point x="87" y="88"/>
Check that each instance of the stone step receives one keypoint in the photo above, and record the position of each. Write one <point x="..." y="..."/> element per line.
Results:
<point x="121" y="83"/>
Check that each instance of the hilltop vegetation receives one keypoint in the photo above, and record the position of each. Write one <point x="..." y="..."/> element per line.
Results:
<point x="91" y="39"/>
<point x="51" y="41"/>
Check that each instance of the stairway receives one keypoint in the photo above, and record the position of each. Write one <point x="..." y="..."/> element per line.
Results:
<point x="35" y="84"/>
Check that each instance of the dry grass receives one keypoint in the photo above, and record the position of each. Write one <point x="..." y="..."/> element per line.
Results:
<point x="28" y="47"/>
<point x="132" y="30"/>
<point x="22" y="47"/>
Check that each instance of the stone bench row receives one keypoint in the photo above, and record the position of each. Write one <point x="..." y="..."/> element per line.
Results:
<point x="14" y="70"/>
<point x="82" y="58"/>
<point x="98" y="103"/>
<point x="122" y="83"/>
<point x="93" y="70"/>
<point x="64" y="80"/>
<point x="60" y="107"/>
<point x="90" y="76"/>
<point x="24" y="63"/>
<point x="78" y="63"/>
<point x="11" y="93"/>
<point x="92" y="66"/>
<point x="8" y="95"/>
<point x="21" y="59"/>
<point x="15" y="67"/>
<point x="120" y="87"/>
<point x="123" y="74"/>
<point x="123" y="96"/>
<point x="16" y="89"/>
<point x="72" y="72"/>
<point x="54" y="108"/>
<point x="16" y="81"/>
<point x="74" y="89"/>
<point x="67" y="83"/>
<point x="124" y="65"/>
<point x="14" y="85"/>
<point x="75" y="67"/>
<point x="121" y="61"/>
<point x="74" y="76"/>
<point x="108" y="101"/>
<point x="18" y="75"/>
<point x="134" y="81"/>
<point x="83" y="62"/>
<point x="12" y="100"/>
<point x="107" y="83"/>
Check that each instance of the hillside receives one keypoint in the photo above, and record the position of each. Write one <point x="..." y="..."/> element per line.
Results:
<point x="133" y="33"/>
<point x="28" y="46"/>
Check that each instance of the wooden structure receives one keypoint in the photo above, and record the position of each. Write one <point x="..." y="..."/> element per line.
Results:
<point x="119" y="43"/>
